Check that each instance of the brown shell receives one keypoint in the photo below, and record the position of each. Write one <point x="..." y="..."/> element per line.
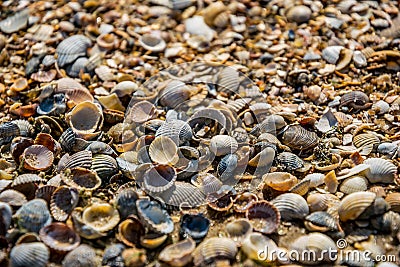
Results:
<point x="81" y="178"/>
<point x="130" y="231"/>
<point x="243" y="201"/>
<point x="356" y="100"/>
<point x="214" y="248"/>
<point x="264" y="216"/>
<point x="37" y="158"/>
<point x="178" y="254"/>
<point x="62" y="202"/>
<point x="297" y="137"/>
<point x="280" y="181"/>
<point x="393" y="199"/>
<point x="59" y="237"/>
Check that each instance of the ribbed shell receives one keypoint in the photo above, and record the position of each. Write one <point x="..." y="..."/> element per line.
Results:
<point x="178" y="254"/>
<point x="223" y="144"/>
<point x="354" y="184"/>
<point x="83" y="255"/>
<point x="195" y="226"/>
<point x="154" y="217"/>
<point x="141" y="112"/>
<point x="301" y="187"/>
<point x="45" y="192"/>
<point x="289" y="161"/>
<point x="63" y="202"/>
<point x="296" y="137"/>
<point x="33" y="215"/>
<point x="227" y="166"/>
<point x="264" y="216"/>
<point x="183" y="194"/>
<point x="271" y="124"/>
<point x="59" y="237"/>
<point x="16" y="22"/>
<point x="72" y="48"/>
<point x="85" y="119"/>
<point x="101" y="216"/>
<point x="67" y="140"/>
<point x="256" y="242"/>
<point x="105" y="166"/>
<point x="163" y="150"/>
<point x="353" y="205"/>
<point x="228" y="80"/>
<point x="8" y="130"/>
<point x="159" y="178"/>
<point x="355" y="100"/>
<point x="239" y="229"/>
<point x="316" y="242"/>
<point x="207" y="183"/>
<point x="125" y="202"/>
<point x="291" y="206"/>
<point x="213" y="249"/>
<point x="367" y="142"/>
<point x="263" y="159"/>
<point x="33" y="254"/>
<point x="332" y="53"/>
<point x="78" y="66"/>
<point x="81" y="179"/>
<point x="179" y="131"/>
<point x="322" y="219"/>
<point x="13" y="198"/>
<point x="27" y="178"/>
<point x="320" y="202"/>
<point x="393" y="199"/>
<point x="37" y="158"/>
<point x="380" y="170"/>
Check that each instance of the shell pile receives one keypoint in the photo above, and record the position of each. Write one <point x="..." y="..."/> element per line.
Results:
<point x="199" y="133"/>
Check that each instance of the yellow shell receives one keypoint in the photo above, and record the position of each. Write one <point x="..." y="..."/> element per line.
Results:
<point x="101" y="216"/>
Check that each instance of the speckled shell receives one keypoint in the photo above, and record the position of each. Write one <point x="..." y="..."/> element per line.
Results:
<point x="37" y="158"/>
<point x="354" y="184"/>
<point x="380" y="170"/>
<point x="130" y="231"/>
<point x="289" y="161"/>
<point x="33" y="254"/>
<point x="159" y="178"/>
<point x="179" y="131"/>
<point x="367" y="142"/>
<point x="163" y="150"/>
<point x="316" y="242"/>
<point x="83" y="255"/>
<point x="63" y="201"/>
<point x="194" y="226"/>
<point x="33" y="215"/>
<point x="178" y="254"/>
<point x="355" y="100"/>
<point x="72" y="48"/>
<point x="5" y="218"/>
<point x="255" y="242"/>
<point x="85" y="119"/>
<point x="264" y="216"/>
<point x="152" y="43"/>
<point x="154" y="217"/>
<point x="280" y="181"/>
<point x="59" y="237"/>
<point x="353" y="205"/>
<point x="238" y="230"/>
<point x="296" y="137"/>
<point x="214" y="248"/>
<point x="291" y="206"/>
<point x="101" y="217"/>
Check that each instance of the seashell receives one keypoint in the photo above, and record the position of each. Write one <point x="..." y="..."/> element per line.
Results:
<point x="97" y="147"/>
<point x="207" y="183"/>
<point x="34" y="254"/>
<point x="346" y="56"/>
<point x="73" y="90"/>
<point x="59" y="237"/>
<point x="67" y="139"/>
<point x="111" y="101"/>
<point x="100" y="216"/>
<point x="8" y="131"/>
<point x="257" y="243"/>
<point x="63" y="201"/>
<point x="264" y="159"/>
<point x="380" y="107"/>
<point x="289" y="161"/>
<point x="134" y="257"/>
<point x="78" y="67"/>
<point x="271" y="124"/>
<point x="130" y="231"/>
<point x="141" y="112"/>
<point x="45" y="192"/>
<point x="243" y="201"/>
<point x="163" y="150"/>
<point x="33" y="215"/>
<point x="72" y="48"/>
<point x="393" y="199"/>
<point x="331" y="181"/>
<point x="18" y="146"/>
<point x="360" y="205"/>
<point x="19" y="85"/>
<point x="320" y="221"/>
<point x="104" y="73"/>
<point x="112" y="255"/>
<point x="194" y="226"/>
<point x="85" y="119"/>
<point x="228" y="81"/>
<point x="332" y="53"/>
<point x="296" y="137"/>
<point x="315" y="242"/>
<point x="178" y="254"/>
<point x="380" y="170"/>
<point x="44" y="76"/>
<point x="152" y="43"/>
<point x="54" y="105"/>
<point x="105" y="166"/>
<point x="354" y="184"/>
<point x="223" y="144"/>
<point x="107" y="41"/>
<point x="212" y="11"/>
<point x="179" y="131"/>
<point x="124" y="88"/>
<point x="159" y="178"/>
<point x="280" y="181"/>
<point x="264" y="216"/>
<point x="238" y="230"/>
<point x="220" y="202"/>
<point x="81" y="159"/>
<point x="227" y="166"/>
<point x="153" y="240"/>
<point x="154" y="217"/>
<point x="359" y="59"/>
<point x="13" y="198"/>
<point x="81" y="179"/>
<point x="367" y="142"/>
<point x="125" y="202"/>
<point x="222" y="20"/>
<point x="355" y="99"/>
<point x="182" y="193"/>
<point x="291" y="206"/>
<point x="321" y="202"/>
<point x="334" y="163"/>
<point x="83" y="255"/>
<point x="16" y="22"/>
<point x="213" y="249"/>
<point x="301" y="188"/>
<point x="27" y="178"/>
<point x="174" y="94"/>
<point x="299" y="14"/>
<point x="25" y="128"/>
<point x="84" y="230"/>
<point x="5" y="218"/>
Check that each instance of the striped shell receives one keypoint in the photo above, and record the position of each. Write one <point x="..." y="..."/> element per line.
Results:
<point x="296" y="137"/>
<point x="271" y="124"/>
<point x="238" y="230"/>
<point x="72" y="48"/>
<point x="63" y="201"/>
<point x="8" y="131"/>
<point x="194" y="226"/>
<point x="159" y="178"/>
<point x="183" y="194"/>
<point x="289" y="161"/>
<point x="154" y="217"/>
<point x="332" y="53"/>
<point x="125" y="202"/>
<point x="77" y="67"/>
<point x="355" y="100"/>
<point x="73" y="90"/>
<point x="81" y="159"/>
<point x="59" y="237"/>
<point x="33" y="215"/>
<point x="320" y="221"/>
<point x="354" y="184"/>
<point x="45" y="192"/>
<point x="366" y="142"/>
<point x="353" y="205"/>
<point x="179" y="131"/>
<point x="152" y="43"/>
<point x="228" y="80"/>
<point x="178" y="254"/>
<point x="214" y="248"/>
<point x="280" y="181"/>
<point x="264" y="216"/>
<point x="34" y="254"/>
<point x="256" y="242"/>
<point x="141" y="112"/>
<point x="393" y="199"/>
<point x="174" y="94"/>
<point x="380" y="170"/>
<point x="291" y="206"/>
<point x="105" y="166"/>
<point x="301" y="188"/>
<point x="163" y="150"/>
<point x="85" y="119"/>
<point x="320" y="202"/>
<point x="83" y="255"/>
<point x="37" y="158"/>
<point x="101" y="216"/>
<point x="316" y="244"/>
<point x="223" y="144"/>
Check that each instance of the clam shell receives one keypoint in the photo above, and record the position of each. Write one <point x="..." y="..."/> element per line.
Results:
<point x="346" y="56"/>
<point x="71" y="49"/>
<point x="179" y="131"/>
<point x="59" y="237"/>
<point x="159" y="178"/>
<point x="183" y="194"/>
<point x="367" y="142"/>
<point x="271" y="124"/>
<point x="207" y="183"/>
<point x="81" y="159"/>
<point x="45" y="192"/>
<point x="296" y="137"/>
<point x="212" y="11"/>
<point x="19" y="85"/>
<point x="194" y="226"/>
<point x="315" y="242"/>
<point x="228" y="81"/>
<point x="214" y="248"/>
<point x="105" y="166"/>
<point x="238" y="230"/>
<point x="100" y="216"/>
<point x="83" y="255"/>
<point x="125" y="202"/>
<point x="16" y="22"/>
<point x="33" y="254"/>
<point x="163" y="150"/>
<point x="223" y="144"/>
<point x="264" y="216"/>
<point x="33" y="215"/>
<point x="5" y="218"/>
<point x="141" y="112"/>
<point x="85" y="119"/>
<point x="125" y="88"/>
<point x="153" y="240"/>
<point x="37" y="158"/>
<point x="280" y="181"/>
<point x="178" y="254"/>
<point x="355" y="99"/>
<point x="81" y="178"/>
<point x="332" y="53"/>
<point x="25" y="128"/>
<point x="44" y="76"/>
<point x="130" y="231"/>
<point x="380" y="170"/>
<point x="63" y="201"/>
<point x="290" y="161"/>
<point x="320" y="221"/>
<point x="354" y="184"/>
<point x="320" y="202"/>
<point x="152" y="43"/>
<point x="256" y="242"/>
<point x="154" y="217"/>
<point x="291" y="206"/>
<point x="393" y="199"/>
<point x="353" y="205"/>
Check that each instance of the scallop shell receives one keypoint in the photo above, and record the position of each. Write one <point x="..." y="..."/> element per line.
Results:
<point x="315" y="242"/>
<point x="393" y="199"/>
<point x="33" y="254"/>
<point x="85" y="119"/>
<point x="214" y="248"/>
<point x="290" y="161"/>
<point x="256" y="243"/>
<point x="194" y="226"/>
<point x="238" y="230"/>
<point x="380" y="170"/>
<point x="59" y="237"/>
<point x="101" y="217"/>
<point x="280" y="181"/>
<point x="81" y="159"/>
<point x="356" y="100"/>
<point x="353" y="205"/>
<point x="154" y="217"/>
<point x="16" y="22"/>
<point x="179" y="131"/>
<point x="223" y="144"/>
<point x="37" y="158"/>
<point x="26" y="179"/>
<point x="105" y="166"/>
<point x="125" y="202"/>
<point x="5" y="218"/>
<point x="141" y="112"/>
<point x="81" y="178"/>
<point x="296" y="137"/>
<point x="71" y="49"/>
<point x="320" y="221"/>
<point x="131" y="231"/>
<point x="33" y="215"/>
<point x="178" y="254"/>
<point x="264" y="216"/>
<point x="159" y="178"/>
<point x="354" y="184"/>
<point x="291" y="206"/>
<point x="332" y="53"/>
<point x="83" y="255"/>
<point x="367" y="142"/>
<point x="163" y="150"/>
<point x="152" y="43"/>
<point x="63" y="201"/>
<point x="183" y="194"/>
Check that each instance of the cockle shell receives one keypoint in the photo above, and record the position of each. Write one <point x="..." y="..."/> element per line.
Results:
<point x="214" y="248"/>
<point x="355" y="99"/>
<point x="356" y="204"/>
<point x="223" y="144"/>
<point x="154" y="217"/>
<point x="316" y="242"/>
<point x="366" y="142"/>
<point x="141" y="112"/>
<point x="37" y="158"/>
<point x="257" y="242"/>
<point x="239" y="230"/>
<point x="354" y="184"/>
<point x="72" y="48"/>
<point x="179" y="131"/>
<point x="289" y="161"/>
<point x="291" y="206"/>
<point x="320" y="221"/>
<point x="13" y="198"/>
<point x="159" y="178"/>
<point x="331" y="54"/>
<point x="85" y="119"/>
<point x="5" y="218"/>
<point x="33" y="215"/>
<point x="101" y="217"/>
<point x="380" y="170"/>
<point x="163" y="150"/>
<point x="178" y="254"/>
<point x="105" y="166"/>
<point x="63" y="201"/>
<point x="194" y="226"/>
<point x="264" y="216"/>
<point x="34" y="254"/>
<point x="83" y="255"/>
<point x="393" y="199"/>
<point x="59" y="237"/>
<point x="296" y="137"/>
